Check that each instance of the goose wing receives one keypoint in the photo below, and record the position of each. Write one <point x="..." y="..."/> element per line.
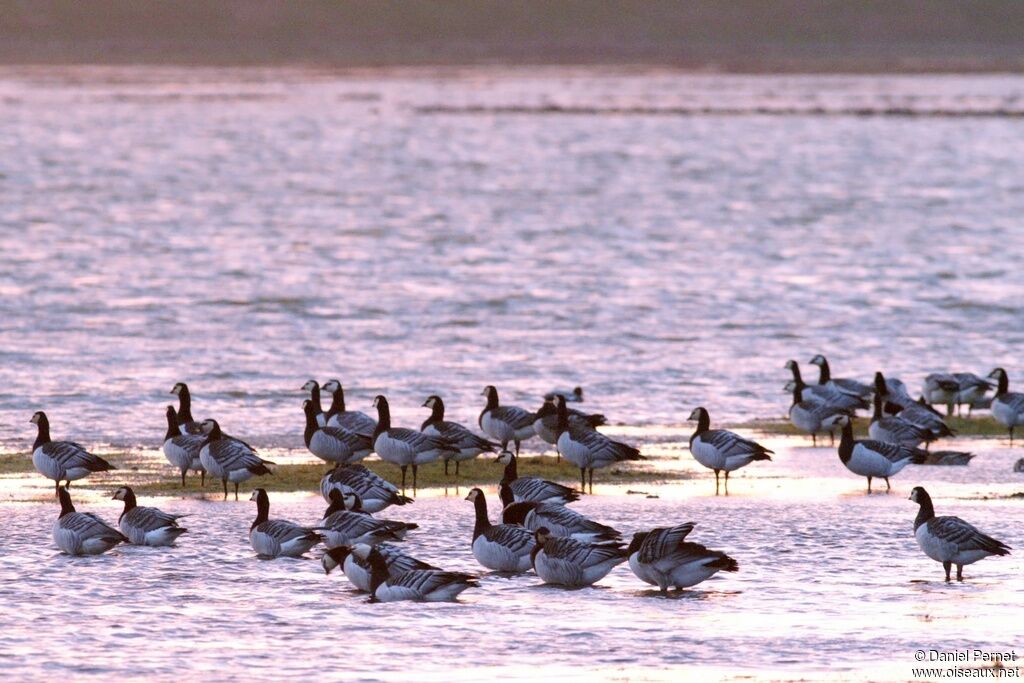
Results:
<point x="965" y="536"/>
<point x="419" y="441"/>
<point x="894" y="452"/>
<point x="87" y="525"/>
<point x="282" y="531"/>
<point x="354" y="421"/>
<point x="559" y="518"/>
<point x="73" y="455"/>
<point x="150" y="519"/>
<point x="398" y="561"/>
<point x="462" y="437"/>
<point x="420" y="583"/>
<point x="1014" y="401"/>
<point x="514" y="416"/>
<point x="541" y="490"/>
<point x="663" y="541"/>
<point x="347" y="439"/>
<point x="232" y="454"/>
<point x="602" y="449"/>
<point x="729" y="444"/>
<point x="581" y="555"/>
<point x="514" y="538"/>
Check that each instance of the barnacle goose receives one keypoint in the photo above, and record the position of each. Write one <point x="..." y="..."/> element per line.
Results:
<point x="587" y="448"/>
<point x="951" y="540"/>
<point x="971" y="391"/>
<point x="314" y="399"/>
<point x="352" y="420"/>
<point x="278" y="537"/>
<point x="358" y="570"/>
<point x="896" y="429"/>
<point x="469" y="445"/>
<point x="62" y="460"/>
<point x="375" y="492"/>
<point x="815" y="417"/>
<point x="870" y="458"/>
<point x="822" y="393"/>
<point x="182" y="450"/>
<point x="951" y="458"/>
<point x="404" y="447"/>
<point x="186" y="424"/>
<point x="721" y="450"/>
<point x="505" y="423"/>
<point x="499" y="547"/>
<point x="145" y="525"/>
<point x="82" y="533"/>
<point x="545" y="423"/>
<point x="564" y="561"/>
<point x="423" y="585"/>
<point x="574" y="395"/>
<point x="662" y="557"/>
<point x="909" y="410"/>
<point x="1007" y="407"/>
<point x="342" y="524"/>
<point x="847" y="386"/>
<point x="941" y="388"/>
<point x="560" y="521"/>
<point x="229" y="459"/>
<point x="333" y="444"/>
<point x="515" y="488"/>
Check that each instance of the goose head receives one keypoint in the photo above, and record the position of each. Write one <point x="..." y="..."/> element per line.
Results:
<point x="818" y="360"/>
<point x="542" y="535"/>
<point x="362" y="551"/>
<point x="39" y="417"/>
<point x="258" y="493"/>
<point x="474" y="494"/>
<point x="699" y="412"/>
<point x="122" y="493"/>
<point x="638" y="539"/>
<point x="330" y="386"/>
<point x="311" y="385"/>
<point x="790" y="365"/>
<point x="431" y="401"/>
<point x="505" y="457"/>
<point x="919" y="495"/>
<point x="178" y="388"/>
<point x="335" y="557"/>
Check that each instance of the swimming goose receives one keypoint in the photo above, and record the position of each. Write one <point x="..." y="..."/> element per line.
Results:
<point x="182" y="450"/>
<point x="575" y="395"/>
<point x="62" y="460"/>
<point x="422" y="585"/>
<point x="375" y="492"/>
<point x="815" y="417"/>
<point x="721" y="450"/>
<point x="894" y="429"/>
<point x="822" y="393"/>
<point x="847" y="386"/>
<point x="82" y="533"/>
<point x="941" y="388"/>
<point x="870" y="458"/>
<point x="564" y="561"/>
<point x="560" y="521"/>
<point x="545" y="423"/>
<point x="909" y="410"/>
<point x="515" y="488"/>
<point x="469" y="444"/>
<point x="333" y="444"/>
<point x="358" y="570"/>
<point x="505" y="423"/>
<point x="314" y="399"/>
<point x="951" y="458"/>
<point x="662" y="557"/>
<point x="145" y="525"/>
<point x="1007" y="407"/>
<point x="404" y="447"/>
<point x="278" y="537"/>
<point x="229" y="459"/>
<point x="588" y="449"/>
<point x="352" y="420"/>
<point x="971" y="391"/>
<point x="951" y="540"/>
<point x="498" y="547"/>
<point x="343" y="525"/>
<point x="186" y="424"/>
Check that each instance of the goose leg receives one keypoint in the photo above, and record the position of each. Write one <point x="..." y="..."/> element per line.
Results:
<point x="457" y="463"/>
<point x="403" y="477"/>
<point x="716" y="482"/>
<point x="959" y="572"/>
<point x="225" y="482"/>
<point x="56" y="488"/>
<point x="414" y="468"/>
<point x="591" y="479"/>
<point x="202" y="478"/>
<point x="887" y="487"/>
<point x="183" y="479"/>
<point x="1011" y="436"/>
<point x="236" y="490"/>
<point x="727" y="482"/>
<point x="517" y="448"/>
<point x="869" y="484"/>
<point x="946" y="566"/>
<point x="583" y="480"/>
<point x="67" y="484"/>
<point x="814" y="439"/>
<point x="446" y="467"/>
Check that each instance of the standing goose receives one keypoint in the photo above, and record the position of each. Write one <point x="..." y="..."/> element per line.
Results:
<point x="352" y="420"/>
<point x="822" y="393"/>
<point x="314" y="399"/>
<point x="721" y="450"/>
<point x="941" y="388"/>
<point x="358" y="570"/>
<point x="499" y="547"/>
<point x="182" y="450"/>
<point x="228" y="458"/>
<point x="575" y="395"/>
<point x="545" y="423"/>
<point x="505" y="423"/>
<point x="816" y="417"/>
<point x="896" y="429"/>
<point x="186" y="424"/>
<point x="469" y="445"/>
<point x="909" y="410"/>
<point x="515" y="488"/>
<point x="404" y="447"/>
<point x="662" y="557"/>
<point x="847" y="386"/>
<point x="145" y="525"/>
<point x="589" y="449"/>
<point x="1007" y="407"/>
<point x="421" y="585"/>
<point x="344" y="525"/>
<point x="333" y="444"/>
<point x="560" y="521"/>
<point x="565" y="561"/>
<point x="62" y="460"/>
<point x="376" y="492"/>
<point x="951" y="540"/>
<point x="82" y="533"/>
<point x="278" y="537"/>
<point x="870" y="458"/>
<point x="970" y="391"/>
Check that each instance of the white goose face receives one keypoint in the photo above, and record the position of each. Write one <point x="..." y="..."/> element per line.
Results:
<point x="695" y="415"/>
<point x="36" y="418"/>
<point x="255" y="495"/>
<point x="177" y="389"/>
<point x="121" y="493"/>
<point x="331" y="386"/>
<point x="349" y="499"/>
<point x="310" y="385"/>
<point x="208" y="425"/>
<point x="474" y="494"/>
<point x="788" y="389"/>
<point x="361" y="550"/>
<point x="790" y="364"/>
<point x="430" y="403"/>
<point x="818" y="360"/>
<point x="505" y="457"/>
<point x="376" y="401"/>
<point x="914" y="494"/>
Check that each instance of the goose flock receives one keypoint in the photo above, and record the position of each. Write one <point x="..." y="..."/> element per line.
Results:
<point x="537" y="530"/>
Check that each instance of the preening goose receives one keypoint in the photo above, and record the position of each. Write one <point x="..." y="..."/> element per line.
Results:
<point x="941" y="388"/>
<point x="182" y="450"/>
<point x="404" y="447"/>
<point x="422" y="585"/>
<point x="344" y="525"/>
<point x="971" y="391"/>
<point x="145" y="525"/>
<point x="505" y="423"/>
<point x="870" y="458"/>
<point x="229" y="459"/>
<point x="847" y="386"/>
<point x="314" y="399"/>
<point x="82" y="533"/>
<point x="515" y="488"/>
<point x="545" y="424"/>
<point x="588" y="449"/>
<point x="894" y="429"/>
<point x="815" y="417"/>
<point x="375" y="492"/>
<point x="822" y="393"/>
<point x="352" y="420"/>
<point x="662" y="557"/>
<point x="951" y="540"/>
<point x="469" y="445"/>
<point x="498" y="547"/>
<point x="560" y="521"/>
<point x="358" y="570"/>
<point x="278" y="537"/>
<point x="907" y="409"/>
<point x="721" y="450"/>
<point x="564" y="561"/>
<point x="62" y="460"/>
<point x="1007" y="407"/>
<point x="333" y="444"/>
<point x="186" y="424"/>
<point x="574" y="395"/>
